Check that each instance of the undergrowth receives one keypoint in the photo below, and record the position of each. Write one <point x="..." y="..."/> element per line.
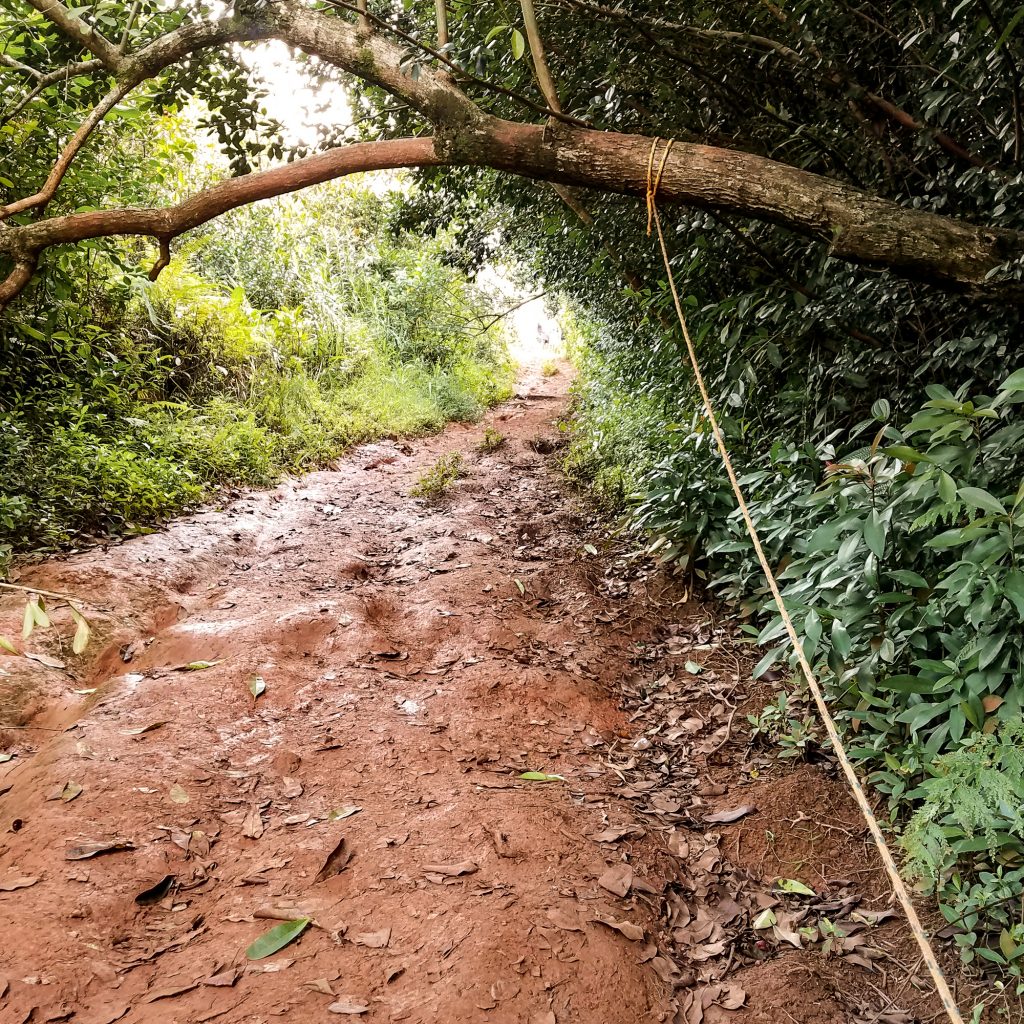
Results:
<point x="897" y="543"/>
<point x="439" y="479"/>
<point x="270" y="345"/>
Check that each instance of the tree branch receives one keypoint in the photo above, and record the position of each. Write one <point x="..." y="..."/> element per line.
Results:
<point x="75" y="28"/>
<point x="68" y="154"/>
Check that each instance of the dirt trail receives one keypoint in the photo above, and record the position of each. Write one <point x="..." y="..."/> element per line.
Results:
<point x="417" y="659"/>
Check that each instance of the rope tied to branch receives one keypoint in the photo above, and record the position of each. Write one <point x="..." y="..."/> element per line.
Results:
<point x="888" y="862"/>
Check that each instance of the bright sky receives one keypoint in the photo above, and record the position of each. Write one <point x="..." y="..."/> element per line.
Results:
<point x="298" y="104"/>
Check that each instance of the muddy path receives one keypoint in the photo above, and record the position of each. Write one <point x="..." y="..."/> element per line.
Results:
<point x="417" y="659"/>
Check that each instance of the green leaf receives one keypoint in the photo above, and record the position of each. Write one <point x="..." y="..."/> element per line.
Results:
<point x="28" y="622"/>
<point x="841" y="639"/>
<point x="82" y="633"/>
<point x="874" y="533"/>
<point x="257" y="687"/>
<point x="765" y="919"/>
<point x="977" y="497"/>
<point x="905" y="454"/>
<point x="590" y="549"/>
<point x="795" y="886"/>
<point x="1006" y="33"/>
<point x="197" y="666"/>
<point x="693" y="668"/>
<point x="518" y="44"/>
<point x="277" y="938"/>
<point x="7" y="645"/>
<point x="542" y="777"/>
<point x="497" y="30"/>
<point x="519" y="585"/>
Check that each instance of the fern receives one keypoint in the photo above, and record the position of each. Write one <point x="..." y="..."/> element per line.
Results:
<point x="977" y="791"/>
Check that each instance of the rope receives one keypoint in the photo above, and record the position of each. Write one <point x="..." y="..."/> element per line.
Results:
<point x="927" y="953"/>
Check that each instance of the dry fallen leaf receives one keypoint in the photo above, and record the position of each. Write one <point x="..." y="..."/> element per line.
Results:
<point x="633" y="932"/>
<point x="614" y="833"/>
<point x="466" y="867"/>
<point x="347" y="1004"/>
<point x="8" y="883"/>
<point x="224" y="979"/>
<point x="335" y="862"/>
<point x="372" y="940"/>
<point x="87" y="850"/>
<point x="734" y="814"/>
<point x="44" y="659"/>
<point x="321" y="985"/>
<point x="252" y="827"/>
<point x="618" y="879"/>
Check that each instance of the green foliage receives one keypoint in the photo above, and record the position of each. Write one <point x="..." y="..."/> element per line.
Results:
<point x="435" y="482"/>
<point x="492" y="439"/>
<point x="272" y="343"/>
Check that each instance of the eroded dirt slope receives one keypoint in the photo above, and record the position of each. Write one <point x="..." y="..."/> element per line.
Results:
<point x="417" y="658"/>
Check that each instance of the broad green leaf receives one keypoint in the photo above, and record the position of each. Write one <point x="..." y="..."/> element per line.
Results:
<point x="1015" y="382"/>
<point x="977" y="497"/>
<point x="841" y="639"/>
<point x="518" y="44"/>
<point x="277" y="938"/>
<point x="542" y="777"/>
<point x="874" y="533"/>
<point x="7" y="645"/>
<point x="795" y="886"/>
<point x="82" y="632"/>
<point x="765" y="919"/>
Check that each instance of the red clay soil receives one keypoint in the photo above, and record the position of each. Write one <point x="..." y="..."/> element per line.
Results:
<point x="418" y="658"/>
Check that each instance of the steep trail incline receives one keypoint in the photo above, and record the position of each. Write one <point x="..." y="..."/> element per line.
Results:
<point x="417" y="658"/>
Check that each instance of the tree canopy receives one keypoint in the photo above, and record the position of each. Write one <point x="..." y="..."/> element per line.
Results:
<point x="779" y="116"/>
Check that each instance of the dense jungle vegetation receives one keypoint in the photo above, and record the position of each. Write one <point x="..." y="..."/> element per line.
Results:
<point x="864" y="357"/>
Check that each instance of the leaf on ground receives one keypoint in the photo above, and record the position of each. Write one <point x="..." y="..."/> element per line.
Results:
<point x="143" y="728"/>
<point x="614" y="833"/>
<point x="563" y="920"/>
<point x="178" y="795"/>
<point x="156" y="892"/>
<point x="350" y="1005"/>
<point x="335" y="862"/>
<point x="4" y="758"/>
<point x="465" y="867"/>
<point x="168" y="991"/>
<point x="633" y="932"/>
<point x="87" y="850"/>
<point x="793" y="885"/>
<point x="343" y="812"/>
<point x="197" y="666"/>
<point x="765" y="919"/>
<point x="731" y="815"/>
<point x="872" y="916"/>
<point x="519" y="585"/>
<point x="541" y="777"/>
<point x="67" y="792"/>
<point x="693" y="668"/>
<point x="8" y="883"/>
<point x="321" y="985"/>
<point x="252" y="826"/>
<point x="223" y="979"/>
<point x="257" y="687"/>
<point x="618" y="879"/>
<point x="372" y="940"/>
<point x="291" y="788"/>
<point x="277" y="938"/>
<point x="44" y="659"/>
<point x="7" y="645"/>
